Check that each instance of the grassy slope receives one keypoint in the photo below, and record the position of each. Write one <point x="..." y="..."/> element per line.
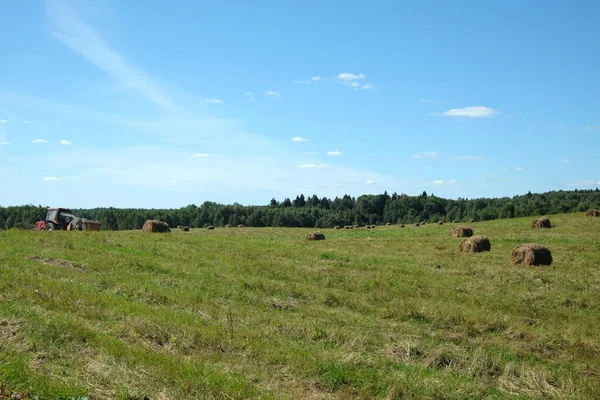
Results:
<point x="390" y="313"/>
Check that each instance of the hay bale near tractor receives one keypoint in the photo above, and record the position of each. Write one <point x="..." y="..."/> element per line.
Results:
<point x="154" y="225"/>
<point x="541" y="222"/>
<point x="475" y="244"/>
<point x="315" y="236"/>
<point x="462" y="231"/>
<point x="592" y="213"/>
<point x="531" y="254"/>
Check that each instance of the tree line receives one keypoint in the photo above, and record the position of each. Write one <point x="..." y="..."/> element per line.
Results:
<point x="315" y="212"/>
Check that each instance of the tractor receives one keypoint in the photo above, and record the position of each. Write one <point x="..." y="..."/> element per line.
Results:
<point x="63" y="219"/>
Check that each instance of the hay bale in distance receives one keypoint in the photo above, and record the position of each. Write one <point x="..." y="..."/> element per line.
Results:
<point x="475" y="244"/>
<point x="541" y="222"/>
<point x="315" y="236"/>
<point x="454" y="221"/>
<point x="440" y="222"/>
<point x="402" y="226"/>
<point x="241" y="226"/>
<point x="210" y="228"/>
<point x="592" y="213"/>
<point x="347" y="227"/>
<point x="337" y="227"/>
<point x="472" y="220"/>
<point x="356" y="226"/>
<point x="462" y="231"/>
<point x="185" y="228"/>
<point x="388" y="223"/>
<point x="154" y="225"/>
<point x="417" y="224"/>
<point x="531" y="254"/>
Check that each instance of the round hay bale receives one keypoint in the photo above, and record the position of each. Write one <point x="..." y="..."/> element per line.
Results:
<point x="592" y="213"/>
<point x="368" y="226"/>
<point x="462" y="231"/>
<point x="531" y="254"/>
<point x="440" y="222"/>
<point x="154" y="225"/>
<point x="356" y="226"/>
<point x="185" y="228"/>
<point x="179" y="226"/>
<point x="402" y="226"/>
<point x="541" y="222"/>
<point x="241" y="226"/>
<point x="337" y="227"/>
<point x="472" y="220"/>
<point x="315" y="236"/>
<point x="373" y="226"/>
<point x="388" y="223"/>
<point x="454" y="221"/>
<point x="347" y="227"/>
<point x="475" y="244"/>
<point x="227" y="226"/>
<point x="210" y="228"/>
<point x="417" y="224"/>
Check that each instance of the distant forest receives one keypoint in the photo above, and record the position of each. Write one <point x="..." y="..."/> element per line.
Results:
<point x="315" y="212"/>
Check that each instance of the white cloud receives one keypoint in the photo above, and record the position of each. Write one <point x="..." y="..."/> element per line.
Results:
<point x="311" y="166"/>
<point x="39" y="141"/>
<point x="51" y="178"/>
<point x="592" y="127"/>
<point x="353" y="84"/>
<point x="347" y="77"/>
<point x="315" y="78"/>
<point x="272" y="94"/>
<point x="4" y="143"/>
<point x="298" y="139"/>
<point x="312" y="153"/>
<point x="588" y="182"/>
<point x="427" y="154"/>
<point x="82" y="39"/>
<point x="334" y="153"/>
<point x="370" y="182"/>
<point x="248" y="93"/>
<point x="451" y="182"/>
<point x="471" y="112"/>
<point x="214" y="101"/>
<point x="200" y="155"/>
<point x="367" y="86"/>
<point x="519" y="169"/>
<point x="566" y="160"/>
<point x="65" y="142"/>
<point x="476" y="158"/>
<point x="26" y="122"/>
<point x="3" y="121"/>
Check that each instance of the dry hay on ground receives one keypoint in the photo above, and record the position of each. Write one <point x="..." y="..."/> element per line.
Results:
<point x="241" y="226"/>
<point x="347" y="227"/>
<point x="337" y="227"/>
<point x="541" y="222"/>
<point x="475" y="244"/>
<point x="154" y="225"/>
<point x="531" y="254"/>
<point x="592" y="213"/>
<point x="185" y="228"/>
<point x="462" y="231"/>
<point x="315" y="236"/>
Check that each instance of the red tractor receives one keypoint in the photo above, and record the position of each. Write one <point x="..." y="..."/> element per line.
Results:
<point x="63" y="219"/>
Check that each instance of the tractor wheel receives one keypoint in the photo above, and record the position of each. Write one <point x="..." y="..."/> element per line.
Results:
<point x="49" y="226"/>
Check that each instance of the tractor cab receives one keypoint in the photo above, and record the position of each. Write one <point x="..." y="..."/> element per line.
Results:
<point x="56" y="218"/>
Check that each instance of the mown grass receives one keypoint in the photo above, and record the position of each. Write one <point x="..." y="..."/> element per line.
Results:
<point x="263" y="313"/>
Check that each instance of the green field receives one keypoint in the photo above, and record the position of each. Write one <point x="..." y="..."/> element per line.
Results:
<point x="263" y="313"/>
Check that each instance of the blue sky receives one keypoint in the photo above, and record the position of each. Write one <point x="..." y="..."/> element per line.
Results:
<point x="164" y="104"/>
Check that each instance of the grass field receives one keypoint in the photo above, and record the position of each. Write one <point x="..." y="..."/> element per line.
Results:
<point x="262" y="313"/>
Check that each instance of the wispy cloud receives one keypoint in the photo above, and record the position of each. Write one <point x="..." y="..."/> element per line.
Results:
<point x="566" y="160"/>
<point x="427" y="154"/>
<point x="315" y="78"/>
<point x="298" y="139"/>
<point x="248" y="93"/>
<point x="432" y="101"/>
<point x="214" y="101"/>
<point x="311" y="166"/>
<point x="82" y="39"/>
<point x="4" y="143"/>
<point x="592" y="127"/>
<point x="201" y="155"/>
<point x="348" y="77"/>
<point x="65" y="142"/>
<point x="588" y="182"/>
<point x="370" y="182"/>
<point x="39" y="141"/>
<point x="307" y="81"/>
<point x="471" y="112"/>
<point x="476" y="158"/>
<point x="50" y="178"/>
<point x="334" y="153"/>
<point x="451" y="182"/>
<point x="3" y="121"/>
<point x="272" y="94"/>
<point x="353" y="80"/>
<point x="363" y="87"/>
<point x="519" y="169"/>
